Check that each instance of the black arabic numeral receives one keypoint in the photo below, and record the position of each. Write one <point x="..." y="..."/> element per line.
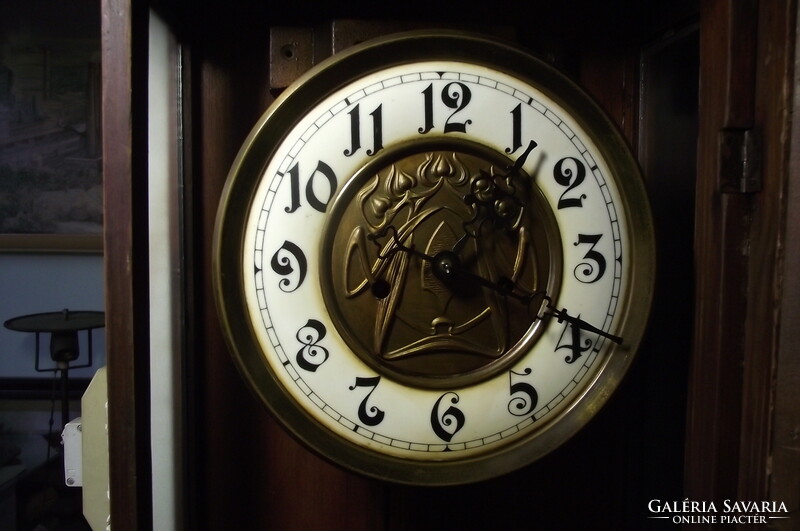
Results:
<point x="368" y="415"/>
<point x="294" y="188"/>
<point x="576" y="346"/>
<point x="447" y="423"/>
<point x="313" y="199"/>
<point x="428" y="93"/>
<point x="355" y="131"/>
<point x="312" y="355"/>
<point x="455" y="96"/>
<point x="569" y="172"/>
<point x="594" y="267"/>
<point x="523" y="395"/>
<point x="377" y="130"/>
<point x="290" y="263"/>
<point x="516" y="129"/>
<point x="326" y="171"/>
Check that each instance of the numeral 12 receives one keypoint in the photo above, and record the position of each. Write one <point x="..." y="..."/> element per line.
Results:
<point x="455" y="96"/>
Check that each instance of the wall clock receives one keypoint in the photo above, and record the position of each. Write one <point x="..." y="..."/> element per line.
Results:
<point x="434" y="258"/>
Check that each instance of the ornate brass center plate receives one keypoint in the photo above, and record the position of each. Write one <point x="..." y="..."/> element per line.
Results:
<point x="416" y="251"/>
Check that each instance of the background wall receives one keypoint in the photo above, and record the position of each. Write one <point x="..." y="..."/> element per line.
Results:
<point x="35" y="283"/>
<point x="50" y="180"/>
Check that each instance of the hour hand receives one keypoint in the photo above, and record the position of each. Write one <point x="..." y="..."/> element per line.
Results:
<point x="506" y="287"/>
<point x="446" y="267"/>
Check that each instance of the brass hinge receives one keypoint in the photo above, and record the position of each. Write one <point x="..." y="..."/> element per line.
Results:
<point x="739" y="161"/>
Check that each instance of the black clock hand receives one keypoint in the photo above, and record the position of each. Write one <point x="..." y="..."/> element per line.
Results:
<point x="507" y="288"/>
<point x="562" y="315"/>
<point x="494" y="200"/>
<point x="521" y="159"/>
<point x="447" y="267"/>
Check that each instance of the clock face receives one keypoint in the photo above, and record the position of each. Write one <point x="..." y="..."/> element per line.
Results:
<point x="434" y="259"/>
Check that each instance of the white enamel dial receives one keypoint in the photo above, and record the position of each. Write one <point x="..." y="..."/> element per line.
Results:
<point x="577" y="324"/>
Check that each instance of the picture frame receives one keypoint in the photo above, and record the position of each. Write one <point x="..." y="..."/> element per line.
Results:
<point x="51" y="197"/>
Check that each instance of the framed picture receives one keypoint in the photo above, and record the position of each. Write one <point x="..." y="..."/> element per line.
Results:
<point x="51" y="195"/>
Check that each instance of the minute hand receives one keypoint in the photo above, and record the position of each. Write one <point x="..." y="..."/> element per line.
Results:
<point x="562" y="316"/>
<point x="447" y="267"/>
<point x="506" y="288"/>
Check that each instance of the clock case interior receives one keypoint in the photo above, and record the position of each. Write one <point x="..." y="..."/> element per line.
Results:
<point x="248" y="169"/>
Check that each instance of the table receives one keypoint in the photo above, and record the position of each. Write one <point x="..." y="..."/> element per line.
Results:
<point x="63" y="328"/>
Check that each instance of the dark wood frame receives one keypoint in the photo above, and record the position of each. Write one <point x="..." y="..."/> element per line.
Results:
<point x="747" y="56"/>
<point x="783" y="484"/>
<point x="124" y="39"/>
<point x="736" y="354"/>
